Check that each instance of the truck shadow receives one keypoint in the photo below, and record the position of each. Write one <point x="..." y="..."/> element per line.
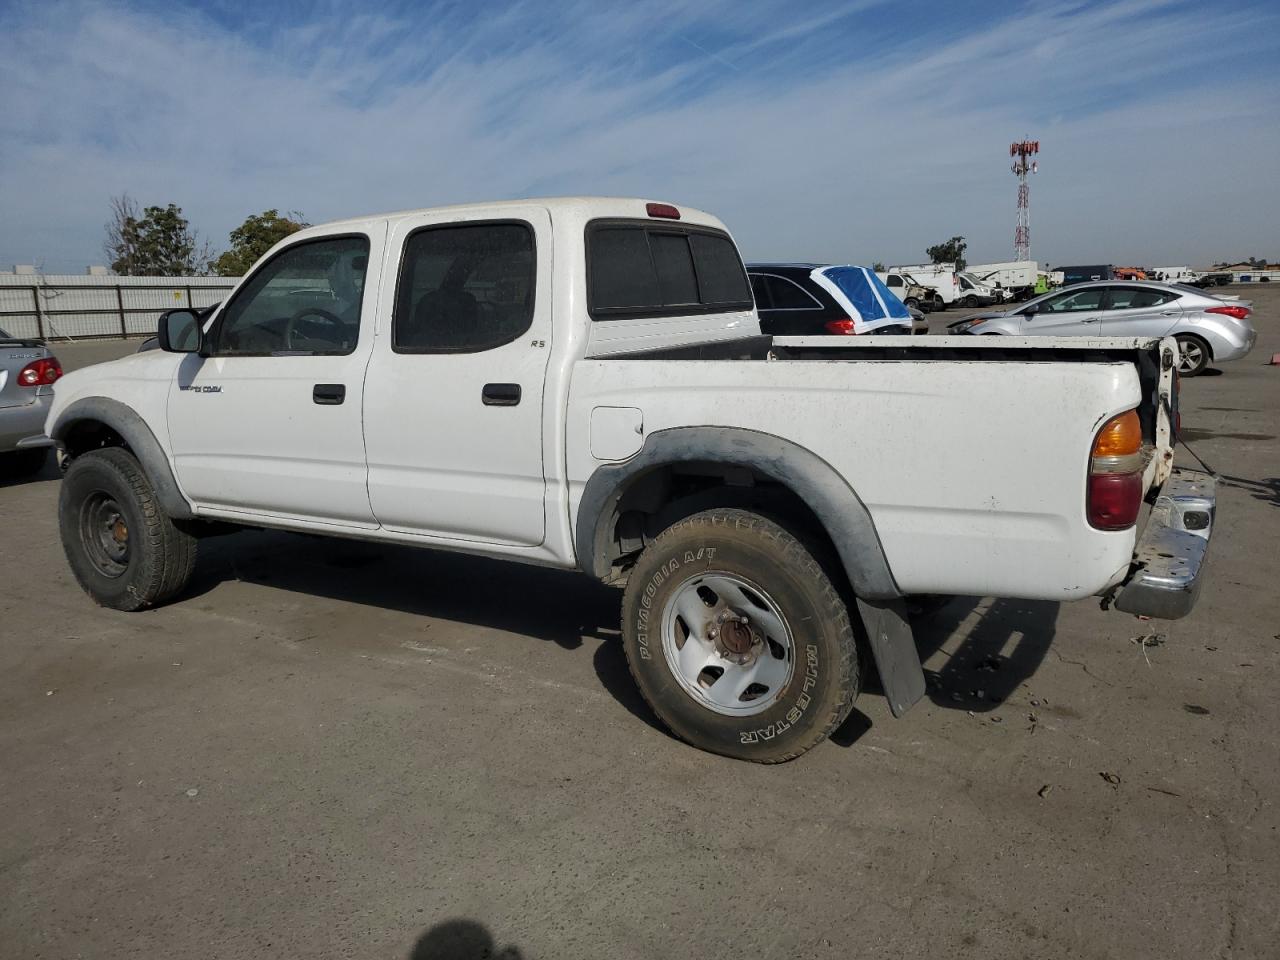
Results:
<point x="983" y="665"/>
<point x="986" y="664"/>
<point x="555" y="606"/>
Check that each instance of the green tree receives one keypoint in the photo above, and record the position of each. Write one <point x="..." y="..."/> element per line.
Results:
<point x="950" y="252"/>
<point x="258" y="234"/>
<point x="158" y="242"/>
<point x="877" y="267"/>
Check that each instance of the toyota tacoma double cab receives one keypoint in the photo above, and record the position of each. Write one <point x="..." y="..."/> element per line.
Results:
<point x="582" y="383"/>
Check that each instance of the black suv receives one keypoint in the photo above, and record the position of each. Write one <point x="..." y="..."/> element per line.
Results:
<point x="815" y="299"/>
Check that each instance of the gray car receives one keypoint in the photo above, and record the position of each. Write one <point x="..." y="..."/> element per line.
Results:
<point x="1207" y="328"/>
<point x="27" y="373"/>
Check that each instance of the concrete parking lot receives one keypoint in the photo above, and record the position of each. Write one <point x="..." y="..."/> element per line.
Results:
<point x="329" y="748"/>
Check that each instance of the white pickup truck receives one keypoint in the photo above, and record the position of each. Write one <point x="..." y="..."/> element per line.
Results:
<point x="581" y="383"/>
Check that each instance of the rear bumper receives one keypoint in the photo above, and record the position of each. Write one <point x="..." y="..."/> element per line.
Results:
<point x="1168" y="564"/>
<point x="1235" y="348"/>
<point x="23" y="426"/>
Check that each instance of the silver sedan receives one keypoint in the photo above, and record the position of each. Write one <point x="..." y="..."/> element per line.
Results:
<point x="1207" y="328"/>
<point x="27" y="373"/>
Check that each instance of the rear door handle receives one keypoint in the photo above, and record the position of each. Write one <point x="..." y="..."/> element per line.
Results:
<point x="500" y="394"/>
<point x="329" y="393"/>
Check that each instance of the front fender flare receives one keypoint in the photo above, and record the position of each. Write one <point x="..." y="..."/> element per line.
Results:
<point x="140" y="440"/>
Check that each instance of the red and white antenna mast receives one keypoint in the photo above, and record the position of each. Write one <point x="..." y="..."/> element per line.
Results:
<point x="1022" y="152"/>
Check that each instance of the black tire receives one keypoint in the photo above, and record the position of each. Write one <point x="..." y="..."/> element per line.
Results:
<point x="912" y="302"/>
<point x="1194" y="352"/>
<point x="970" y="302"/>
<point x="19" y="464"/>
<point x="939" y="303"/>
<point x="822" y="681"/>
<point x="122" y="547"/>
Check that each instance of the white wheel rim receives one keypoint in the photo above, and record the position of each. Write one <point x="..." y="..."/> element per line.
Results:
<point x="727" y="644"/>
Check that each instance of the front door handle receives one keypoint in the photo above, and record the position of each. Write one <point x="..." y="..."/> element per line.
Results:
<point x="500" y="394"/>
<point x="329" y="393"/>
<point x="1091" y="320"/>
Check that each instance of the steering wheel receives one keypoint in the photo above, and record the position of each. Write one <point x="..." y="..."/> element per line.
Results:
<point x="291" y="326"/>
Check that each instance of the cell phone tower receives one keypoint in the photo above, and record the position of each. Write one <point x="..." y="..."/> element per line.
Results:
<point x="1023" y="165"/>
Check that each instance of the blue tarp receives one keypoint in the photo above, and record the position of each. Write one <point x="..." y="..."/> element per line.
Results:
<point x="868" y="295"/>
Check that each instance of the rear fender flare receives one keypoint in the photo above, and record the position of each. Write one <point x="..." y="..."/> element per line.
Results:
<point x="837" y="506"/>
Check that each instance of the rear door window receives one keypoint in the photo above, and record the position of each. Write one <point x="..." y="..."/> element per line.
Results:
<point x="638" y="270"/>
<point x="1138" y="298"/>
<point x="464" y="288"/>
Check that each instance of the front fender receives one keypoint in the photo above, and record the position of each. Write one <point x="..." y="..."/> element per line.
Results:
<point x="139" y="438"/>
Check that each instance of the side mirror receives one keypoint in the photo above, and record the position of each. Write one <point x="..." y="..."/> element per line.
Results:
<point x="1031" y="309"/>
<point x="179" y="331"/>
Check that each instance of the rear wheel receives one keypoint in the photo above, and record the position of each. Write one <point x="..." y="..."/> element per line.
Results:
<point x="23" y="463"/>
<point x="939" y="303"/>
<point x="1193" y="355"/>
<point x="122" y="547"/>
<point x="737" y="638"/>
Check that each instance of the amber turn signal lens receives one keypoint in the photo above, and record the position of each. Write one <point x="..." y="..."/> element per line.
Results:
<point x="1120" y="436"/>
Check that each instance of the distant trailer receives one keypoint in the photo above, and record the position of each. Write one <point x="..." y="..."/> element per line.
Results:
<point x="1083" y="274"/>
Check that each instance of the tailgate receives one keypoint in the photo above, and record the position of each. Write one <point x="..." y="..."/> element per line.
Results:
<point x="1153" y="358"/>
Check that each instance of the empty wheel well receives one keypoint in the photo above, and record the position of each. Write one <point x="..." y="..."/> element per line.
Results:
<point x="667" y="494"/>
<point x="85" y="435"/>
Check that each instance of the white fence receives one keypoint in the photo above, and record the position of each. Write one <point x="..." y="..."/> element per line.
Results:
<point x="87" y="307"/>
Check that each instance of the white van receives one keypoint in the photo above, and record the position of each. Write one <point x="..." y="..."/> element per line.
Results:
<point x="940" y="276"/>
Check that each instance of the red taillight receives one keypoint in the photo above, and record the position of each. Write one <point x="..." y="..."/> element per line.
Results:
<point x="1115" y="473"/>
<point x="1231" y="310"/>
<point x="664" y="210"/>
<point x="844" y="327"/>
<point x="1114" y="500"/>
<point x="39" y="373"/>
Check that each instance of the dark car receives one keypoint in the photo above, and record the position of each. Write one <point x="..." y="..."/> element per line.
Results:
<point x="816" y="299"/>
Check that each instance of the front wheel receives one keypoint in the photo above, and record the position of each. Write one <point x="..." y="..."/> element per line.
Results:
<point x="737" y="638"/>
<point x="1193" y="355"/>
<point x="124" y="550"/>
<point x="912" y="302"/>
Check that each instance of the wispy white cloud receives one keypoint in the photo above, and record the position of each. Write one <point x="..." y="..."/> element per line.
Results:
<point x="840" y="134"/>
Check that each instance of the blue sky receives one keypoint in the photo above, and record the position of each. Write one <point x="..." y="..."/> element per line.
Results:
<point x="828" y="131"/>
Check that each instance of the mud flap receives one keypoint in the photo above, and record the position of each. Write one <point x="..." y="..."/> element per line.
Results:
<point x="894" y="649"/>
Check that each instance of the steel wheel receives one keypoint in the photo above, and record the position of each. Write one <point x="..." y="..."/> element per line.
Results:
<point x="727" y="644"/>
<point x="104" y="532"/>
<point x="1193" y="356"/>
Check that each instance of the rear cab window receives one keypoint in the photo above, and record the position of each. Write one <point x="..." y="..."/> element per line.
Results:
<point x="637" y="268"/>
